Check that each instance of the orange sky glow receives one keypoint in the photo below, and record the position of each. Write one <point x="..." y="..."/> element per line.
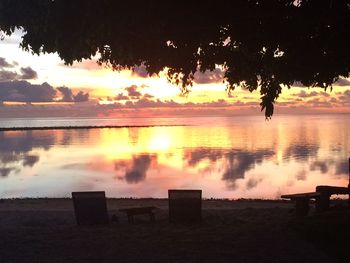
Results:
<point x="126" y="93"/>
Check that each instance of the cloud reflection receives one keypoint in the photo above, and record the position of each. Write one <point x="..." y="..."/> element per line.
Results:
<point x="4" y="172"/>
<point x="252" y="183"/>
<point x="239" y="162"/>
<point x="30" y="160"/>
<point x="236" y="162"/>
<point x="319" y="165"/>
<point x="301" y="152"/>
<point x="25" y="141"/>
<point x="135" y="169"/>
<point x="342" y="168"/>
<point x="16" y="147"/>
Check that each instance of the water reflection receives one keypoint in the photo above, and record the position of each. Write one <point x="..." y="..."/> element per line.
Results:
<point x="342" y="168"/>
<point x="234" y="163"/>
<point x="136" y="169"/>
<point x="301" y="152"/>
<point x="18" y="142"/>
<point x="320" y="166"/>
<point x="231" y="160"/>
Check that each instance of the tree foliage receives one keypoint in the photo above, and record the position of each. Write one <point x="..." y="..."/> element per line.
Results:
<point x="262" y="44"/>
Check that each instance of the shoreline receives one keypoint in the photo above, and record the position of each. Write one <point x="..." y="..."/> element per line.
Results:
<point x="85" y="127"/>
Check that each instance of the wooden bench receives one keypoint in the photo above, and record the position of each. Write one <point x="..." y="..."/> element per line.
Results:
<point x="302" y="201"/>
<point x="131" y="212"/>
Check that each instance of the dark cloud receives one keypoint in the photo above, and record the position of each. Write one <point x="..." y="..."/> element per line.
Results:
<point x="342" y="82"/>
<point x="344" y="98"/>
<point x="215" y="76"/>
<point x="218" y="103"/>
<point x="23" y="91"/>
<point x="68" y="95"/>
<point x="248" y="103"/>
<point x="81" y="97"/>
<point x="216" y="107"/>
<point x="121" y="96"/>
<point x="25" y="73"/>
<point x="316" y="102"/>
<point x="147" y="96"/>
<point x="4" y="63"/>
<point x="304" y="94"/>
<point x="7" y="75"/>
<point x="28" y="73"/>
<point x="145" y="103"/>
<point x="140" y="71"/>
<point x="133" y="93"/>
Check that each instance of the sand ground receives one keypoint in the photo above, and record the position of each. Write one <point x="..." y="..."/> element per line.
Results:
<point x="44" y="230"/>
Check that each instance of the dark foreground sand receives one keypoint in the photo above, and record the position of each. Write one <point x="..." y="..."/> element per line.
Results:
<point x="44" y="230"/>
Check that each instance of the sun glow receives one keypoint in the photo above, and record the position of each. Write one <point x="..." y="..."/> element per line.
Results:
<point x="160" y="143"/>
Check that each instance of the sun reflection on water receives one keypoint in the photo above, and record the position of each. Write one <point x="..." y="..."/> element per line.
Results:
<point x="250" y="159"/>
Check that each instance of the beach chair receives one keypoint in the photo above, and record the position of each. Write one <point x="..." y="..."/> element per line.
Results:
<point x="185" y="206"/>
<point x="90" y="208"/>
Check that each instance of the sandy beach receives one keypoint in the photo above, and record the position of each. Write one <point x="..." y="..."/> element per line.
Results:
<point x="44" y="230"/>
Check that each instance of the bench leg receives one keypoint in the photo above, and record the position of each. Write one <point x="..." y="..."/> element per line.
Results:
<point x="322" y="202"/>
<point x="152" y="218"/>
<point x="302" y="206"/>
<point x="130" y="219"/>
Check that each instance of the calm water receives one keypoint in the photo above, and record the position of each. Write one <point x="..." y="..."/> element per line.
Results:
<point x="235" y="157"/>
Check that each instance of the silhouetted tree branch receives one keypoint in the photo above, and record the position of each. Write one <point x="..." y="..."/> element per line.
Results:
<point x="261" y="44"/>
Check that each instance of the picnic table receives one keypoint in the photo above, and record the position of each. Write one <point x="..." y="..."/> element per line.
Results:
<point x="321" y="196"/>
<point x="132" y="211"/>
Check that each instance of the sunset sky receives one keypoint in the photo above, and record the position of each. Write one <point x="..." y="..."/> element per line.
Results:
<point x="39" y="86"/>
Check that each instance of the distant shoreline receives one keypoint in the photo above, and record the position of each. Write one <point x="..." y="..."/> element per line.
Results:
<point x="83" y="127"/>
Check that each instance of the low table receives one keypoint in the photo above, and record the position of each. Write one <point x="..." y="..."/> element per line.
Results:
<point x="131" y="212"/>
